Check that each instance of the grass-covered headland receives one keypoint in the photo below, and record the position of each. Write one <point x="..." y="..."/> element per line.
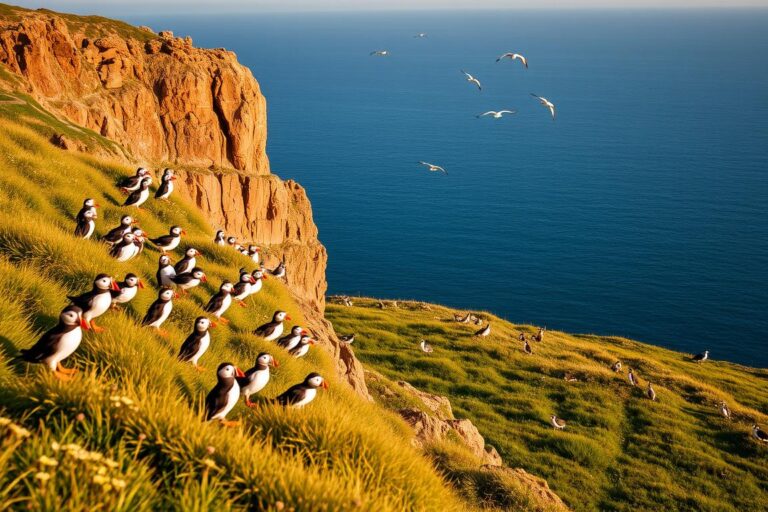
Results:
<point x="619" y="450"/>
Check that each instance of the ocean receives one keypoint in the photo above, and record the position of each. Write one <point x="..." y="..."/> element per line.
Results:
<point x="642" y="211"/>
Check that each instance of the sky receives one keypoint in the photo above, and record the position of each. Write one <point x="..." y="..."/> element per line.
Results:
<point x="107" y="7"/>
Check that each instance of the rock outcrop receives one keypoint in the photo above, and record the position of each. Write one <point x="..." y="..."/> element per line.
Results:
<point x="199" y="110"/>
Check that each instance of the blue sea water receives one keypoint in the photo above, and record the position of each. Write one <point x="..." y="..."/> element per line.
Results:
<point x="642" y="211"/>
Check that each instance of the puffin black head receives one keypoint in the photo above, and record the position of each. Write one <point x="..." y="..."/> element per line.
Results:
<point x="128" y="238"/>
<point x="280" y="316"/>
<point x="202" y="324"/>
<point x="126" y="220"/>
<point x="258" y="274"/>
<point x="71" y="315"/>
<point x="165" y="294"/>
<point x="226" y="286"/>
<point x="306" y="339"/>
<point x="192" y="252"/>
<point x="265" y="360"/>
<point x="165" y="260"/>
<point x="177" y="231"/>
<point x="252" y="249"/>
<point x="104" y="282"/>
<point x="231" y="240"/>
<point x="137" y="232"/>
<point x="90" y="203"/>
<point x="228" y="371"/>
<point x="141" y="171"/>
<point x="198" y="273"/>
<point x="132" y="280"/>
<point x="245" y="277"/>
<point x="168" y="174"/>
<point x="296" y="330"/>
<point x="315" y="380"/>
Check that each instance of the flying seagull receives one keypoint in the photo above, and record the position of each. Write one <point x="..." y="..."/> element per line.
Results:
<point x="546" y="103"/>
<point x="557" y="422"/>
<point x="420" y="35"/>
<point x="496" y="114"/>
<point x="433" y="167"/>
<point x="425" y="347"/>
<point x="379" y="53"/>
<point x="514" y="56"/>
<point x="700" y="358"/>
<point x="473" y="80"/>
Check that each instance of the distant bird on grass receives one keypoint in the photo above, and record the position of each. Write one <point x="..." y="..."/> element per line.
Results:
<point x="379" y="53"/>
<point x="302" y="348"/>
<point x="139" y="197"/>
<point x="257" y="377"/>
<point x="290" y="340"/>
<point x="631" y="377"/>
<point x="725" y="411"/>
<point x="539" y="336"/>
<point x="127" y="289"/>
<point x="58" y="343"/>
<point x="433" y="167"/>
<point x="759" y="434"/>
<point x="125" y="249"/>
<point x="95" y="302"/>
<point x="242" y="289"/>
<point x="514" y="56"/>
<point x="224" y="395"/>
<point x="159" y="311"/>
<point x="556" y="422"/>
<point x="165" y="271"/>
<point x="197" y="343"/>
<point x="485" y="331"/>
<point x="462" y="319"/>
<point x="132" y="183"/>
<point x="274" y="329"/>
<point x="86" y="219"/>
<point x="301" y="394"/>
<point x="425" y="347"/>
<point x="545" y="102"/>
<point x="188" y="280"/>
<point x="471" y="79"/>
<point x="651" y="393"/>
<point x="700" y="358"/>
<point x="169" y="242"/>
<point x="188" y="262"/>
<point x="527" y="347"/>
<point x="220" y="302"/>
<point x="115" y="235"/>
<point x="616" y="367"/>
<point x="347" y="339"/>
<point x="497" y="114"/>
<point x="166" y="185"/>
<point x="220" y="238"/>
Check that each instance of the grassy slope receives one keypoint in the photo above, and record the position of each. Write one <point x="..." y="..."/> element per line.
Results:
<point x="620" y="450"/>
<point x="337" y="453"/>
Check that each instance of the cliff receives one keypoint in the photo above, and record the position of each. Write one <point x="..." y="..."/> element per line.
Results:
<point x="169" y="103"/>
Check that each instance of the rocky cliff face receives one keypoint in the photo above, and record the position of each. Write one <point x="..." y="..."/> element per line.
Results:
<point x="170" y="103"/>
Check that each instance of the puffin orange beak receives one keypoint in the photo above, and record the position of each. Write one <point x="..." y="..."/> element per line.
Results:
<point x="204" y="279"/>
<point x="97" y="205"/>
<point x="239" y="372"/>
<point x="311" y="341"/>
<point x="253" y="280"/>
<point x="114" y="285"/>
<point x="325" y="385"/>
<point x="275" y="363"/>
<point x="134" y="222"/>
<point x="84" y="324"/>
<point x="304" y="333"/>
<point x="173" y="178"/>
<point x="287" y="317"/>
<point x="183" y="231"/>
<point x="264" y="277"/>
<point x="214" y="324"/>
<point x="141" y="284"/>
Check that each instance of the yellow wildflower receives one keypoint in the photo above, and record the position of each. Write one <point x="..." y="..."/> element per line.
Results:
<point x="100" y="480"/>
<point x="111" y="463"/>
<point x="42" y="476"/>
<point x="19" y="431"/>
<point x="55" y="446"/>
<point x="4" y="421"/>
<point x="118" y="483"/>
<point x="126" y="400"/>
<point x="47" y="461"/>
<point x="209" y="463"/>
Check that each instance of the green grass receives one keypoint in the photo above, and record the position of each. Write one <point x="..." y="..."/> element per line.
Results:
<point x="339" y="453"/>
<point x="620" y="451"/>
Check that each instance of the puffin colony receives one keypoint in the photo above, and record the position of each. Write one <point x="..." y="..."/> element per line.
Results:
<point x="125" y="242"/>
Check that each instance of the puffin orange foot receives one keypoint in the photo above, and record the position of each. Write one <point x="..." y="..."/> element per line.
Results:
<point x="230" y="424"/>
<point x="62" y="376"/>
<point x="223" y="320"/>
<point x="65" y="371"/>
<point x="96" y="328"/>
<point x="162" y="333"/>
<point x="242" y="304"/>
<point x="248" y="403"/>
<point x="199" y="368"/>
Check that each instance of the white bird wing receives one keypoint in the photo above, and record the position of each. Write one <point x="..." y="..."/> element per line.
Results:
<point x="425" y="163"/>
<point x="490" y="112"/>
<point x="469" y="77"/>
<point x="507" y="112"/>
<point x="552" y="110"/>
<point x="504" y="56"/>
<point x="438" y="168"/>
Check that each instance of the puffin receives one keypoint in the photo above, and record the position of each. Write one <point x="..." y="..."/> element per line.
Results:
<point x="616" y="367"/>
<point x="258" y="276"/>
<point x="301" y="349"/>
<point x="700" y="358"/>
<point x="485" y="331"/>
<point x="220" y="238"/>
<point x="291" y="339"/>
<point x="139" y="197"/>
<point x="224" y="395"/>
<point x="650" y="393"/>
<point x="257" y="377"/>
<point x="196" y="343"/>
<point x="540" y="335"/>
<point x="462" y="319"/>
<point x="132" y="183"/>
<point x="272" y="330"/>
<point x="126" y="289"/>
<point x="188" y="280"/>
<point x="631" y="378"/>
<point x="527" y="347"/>
<point x="725" y="411"/>
<point x="279" y="270"/>
<point x="159" y="311"/>
<point x="165" y="271"/>
<point x="426" y="347"/>
<point x="166" y="184"/>
<point x="88" y="204"/>
<point x="86" y="223"/>
<point x="138" y="239"/>
<point x="759" y="434"/>
<point x="170" y="241"/>
<point x="188" y="262"/>
<point x="232" y="242"/>
<point x="253" y="253"/>
<point x="301" y="394"/>
<point x="58" y="343"/>
<point x="347" y="339"/>
<point x="242" y="289"/>
<point x="521" y="336"/>
<point x="556" y="422"/>
<point x="116" y="234"/>
<point x="95" y="302"/>
<point x="126" y="249"/>
<point x="220" y="302"/>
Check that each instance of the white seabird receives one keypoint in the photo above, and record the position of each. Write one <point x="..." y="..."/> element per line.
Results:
<point x="651" y="393"/>
<point x="514" y="56"/>
<point x="497" y="114"/>
<point x="631" y="377"/>
<point x="546" y="103"/>
<point x="557" y="422"/>
<point x="425" y="347"/>
<point x="379" y="53"/>
<point x="473" y="80"/>
<point x="700" y="358"/>
<point x="725" y="411"/>
<point x="420" y="35"/>
<point x="485" y="331"/>
<point x="433" y="167"/>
